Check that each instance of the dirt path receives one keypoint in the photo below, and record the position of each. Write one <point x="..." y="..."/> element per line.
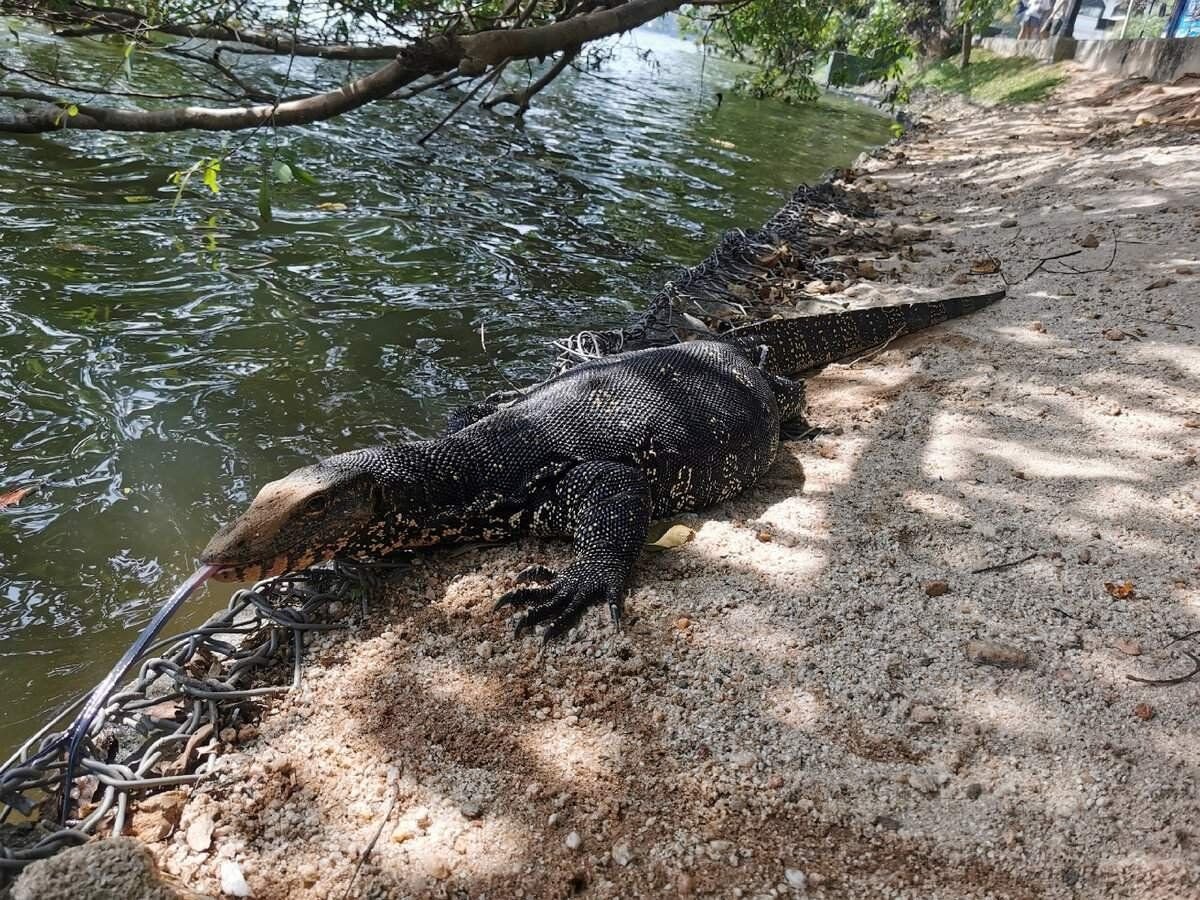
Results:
<point x="797" y="704"/>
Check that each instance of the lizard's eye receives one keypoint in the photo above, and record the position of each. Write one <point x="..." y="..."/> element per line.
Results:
<point x="316" y="505"/>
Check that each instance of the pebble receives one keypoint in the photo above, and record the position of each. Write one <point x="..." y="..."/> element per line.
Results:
<point x="484" y="650"/>
<point x="471" y="810"/>
<point x="936" y="588"/>
<point x="1114" y="334"/>
<point x="974" y="790"/>
<point x="923" y="782"/>
<point x="573" y="841"/>
<point x="1129" y="647"/>
<point x="1037" y="326"/>
<point x="923" y="715"/>
<point x="1144" y="711"/>
<point x="621" y="854"/>
<point x="199" y="833"/>
<point x="990" y="653"/>
<point x="796" y="879"/>
<point x="1008" y="223"/>
<point x="233" y="883"/>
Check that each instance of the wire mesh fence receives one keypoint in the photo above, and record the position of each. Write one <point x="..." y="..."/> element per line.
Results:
<point x="152" y="734"/>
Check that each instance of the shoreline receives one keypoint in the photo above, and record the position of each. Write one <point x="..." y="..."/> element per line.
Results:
<point x="897" y="666"/>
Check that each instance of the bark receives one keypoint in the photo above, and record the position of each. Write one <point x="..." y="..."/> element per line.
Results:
<point x="966" y="46"/>
<point x="471" y="54"/>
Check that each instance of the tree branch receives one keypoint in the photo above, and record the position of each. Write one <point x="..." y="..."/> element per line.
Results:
<point x="520" y="99"/>
<point x="471" y="54"/>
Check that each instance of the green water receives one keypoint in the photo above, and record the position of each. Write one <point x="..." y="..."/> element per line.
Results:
<point x="157" y="364"/>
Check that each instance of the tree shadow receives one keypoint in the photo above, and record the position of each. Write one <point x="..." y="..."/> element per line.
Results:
<point x="786" y="694"/>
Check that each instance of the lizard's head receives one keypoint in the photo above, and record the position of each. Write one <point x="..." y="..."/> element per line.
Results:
<point x="309" y="516"/>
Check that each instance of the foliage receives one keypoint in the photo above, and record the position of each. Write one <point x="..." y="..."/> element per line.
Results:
<point x="1147" y="26"/>
<point x="994" y="79"/>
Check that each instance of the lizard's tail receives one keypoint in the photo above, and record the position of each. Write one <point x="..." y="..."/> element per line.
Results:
<point x="809" y="342"/>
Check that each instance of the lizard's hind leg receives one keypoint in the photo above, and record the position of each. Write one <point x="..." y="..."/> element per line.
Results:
<point x="793" y="408"/>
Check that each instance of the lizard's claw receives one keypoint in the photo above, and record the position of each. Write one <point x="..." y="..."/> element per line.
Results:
<point x="563" y="602"/>
<point x="536" y="575"/>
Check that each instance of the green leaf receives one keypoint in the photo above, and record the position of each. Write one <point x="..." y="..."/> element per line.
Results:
<point x="16" y="37"/>
<point x="138" y="198"/>
<point x="212" y="169"/>
<point x="282" y="172"/>
<point x="264" y="198"/>
<point x="72" y="110"/>
<point x="302" y="175"/>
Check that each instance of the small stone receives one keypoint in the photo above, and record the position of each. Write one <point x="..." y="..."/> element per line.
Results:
<point x="775" y="782"/>
<point x="246" y="733"/>
<point x="228" y="735"/>
<point x="440" y="870"/>
<point x="573" y="841"/>
<point x="1160" y="283"/>
<point x="233" y="882"/>
<point x="923" y="782"/>
<point x="923" y="715"/>
<point x="1091" y="242"/>
<point x="1129" y="647"/>
<point x="1184" y="270"/>
<point x="974" y="790"/>
<point x="936" y="588"/>
<point x="683" y="623"/>
<point x="765" y="537"/>
<point x="744" y="759"/>
<point x="621" y="854"/>
<point x="471" y="810"/>
<point x="1070" y="876"/>
<point x="1008" y="223"/>
<point x="1114" y="334"/>
<point x="1144" y="711"/>
<point x="403" y="832"/>
<point x="827" y="449"/>
<point x="308" y="873"/>
<point x="684" y="885"/>
<point x="1084" y="555"/>
<point x="990" y="653"/>
<point x="887" y="823"/>
<point x="484" y="650"/>
<point x="199" y="833"/>
<point x="796" y="879"/>
<point x="1037" y="326"/>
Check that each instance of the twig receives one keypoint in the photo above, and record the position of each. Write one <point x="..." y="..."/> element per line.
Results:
<point x="875" y="351"/>
<point x="1164" y="682"/>
<point x="1071" y="270"/>
<point x="1004" y="565"/>
<point x="387" y="814"/>
<point x="1165" y="322"/>
<point x="483" y="82"/>
<point x="1176" y="638"/>
<point x="1043" y="261"/>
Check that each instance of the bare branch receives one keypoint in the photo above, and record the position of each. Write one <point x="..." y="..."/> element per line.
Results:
<point x="520" y="99"/>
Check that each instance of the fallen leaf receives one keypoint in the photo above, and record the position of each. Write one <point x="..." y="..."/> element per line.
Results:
<point x="989" y="265"/>
<point x="1129" y="647"/>
<point x="1091" y="241"/>
<point x="13" y="498"/>
<point x="138" y="198"/>
<point x="675" y="536"/>
<point x="332" y="206"/>
<point x="1119" y="591"/>
<point x="1144" y="711"/>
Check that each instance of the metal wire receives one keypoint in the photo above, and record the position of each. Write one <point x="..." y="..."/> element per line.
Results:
<point x="133" y="747"/>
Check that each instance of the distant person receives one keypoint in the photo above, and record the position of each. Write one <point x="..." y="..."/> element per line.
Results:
<point x="1054" y="21"/>
<point x="1035" y="17"/>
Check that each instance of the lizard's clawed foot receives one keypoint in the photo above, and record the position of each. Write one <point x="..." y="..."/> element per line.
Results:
<point x="563" y="602"/>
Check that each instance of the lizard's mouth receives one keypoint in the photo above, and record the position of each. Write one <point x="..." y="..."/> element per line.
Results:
<point x="250" y="571"/>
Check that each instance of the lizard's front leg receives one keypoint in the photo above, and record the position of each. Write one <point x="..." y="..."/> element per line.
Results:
<point x="605" y="508"/>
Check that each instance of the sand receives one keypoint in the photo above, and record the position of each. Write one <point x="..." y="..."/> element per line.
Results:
<point x="822" y="694"/>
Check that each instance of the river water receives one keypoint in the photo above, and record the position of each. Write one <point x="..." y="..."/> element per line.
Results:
<point x="159" y="361"/>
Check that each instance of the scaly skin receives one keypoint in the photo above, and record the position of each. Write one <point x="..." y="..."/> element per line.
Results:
<point x="595" y="454"/>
